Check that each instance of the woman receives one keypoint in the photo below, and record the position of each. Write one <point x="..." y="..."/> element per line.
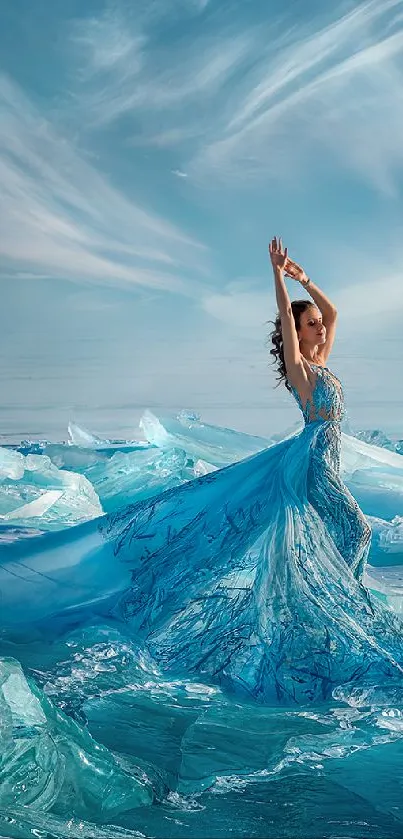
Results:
<point x="251" y="575"/>
<point x="303" y="338"/>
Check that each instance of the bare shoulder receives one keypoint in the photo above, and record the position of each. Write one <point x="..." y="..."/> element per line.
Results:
<point x="299" y="375"/>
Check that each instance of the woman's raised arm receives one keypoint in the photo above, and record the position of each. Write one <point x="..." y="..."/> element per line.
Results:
<point x="328" y="309"/>
<point x="292" y="355"/>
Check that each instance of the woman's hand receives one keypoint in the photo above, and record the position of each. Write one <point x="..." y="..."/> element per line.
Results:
<point x="293" y="270"/>
<point x="278" y="255"/>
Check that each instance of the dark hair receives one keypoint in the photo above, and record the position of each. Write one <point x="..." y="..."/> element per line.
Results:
<point x="276" y="336"/>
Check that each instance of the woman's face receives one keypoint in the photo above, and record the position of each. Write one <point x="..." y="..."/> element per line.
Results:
<point x="311" y="330"/>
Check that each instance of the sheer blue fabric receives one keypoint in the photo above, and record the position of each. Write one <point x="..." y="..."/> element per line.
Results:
<point x="252" y="574"/>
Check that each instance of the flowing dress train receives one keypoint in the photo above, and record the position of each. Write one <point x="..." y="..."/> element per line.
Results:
<point x="252" y="575"/>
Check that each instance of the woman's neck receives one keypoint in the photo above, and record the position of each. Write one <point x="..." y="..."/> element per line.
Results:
<point x="310" y="354"/>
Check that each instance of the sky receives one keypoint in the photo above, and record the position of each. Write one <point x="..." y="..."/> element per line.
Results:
<point x="149" y="151"/>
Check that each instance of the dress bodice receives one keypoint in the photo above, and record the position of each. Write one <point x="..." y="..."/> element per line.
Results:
<point x="327" y="401"/>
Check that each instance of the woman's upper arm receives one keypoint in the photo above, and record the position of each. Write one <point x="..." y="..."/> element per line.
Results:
<point x="292" y="353"/>
<point x="296" y="373"/>
<point x="330" y="322"/>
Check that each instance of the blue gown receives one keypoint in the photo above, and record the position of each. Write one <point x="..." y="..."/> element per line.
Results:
<point x="252" y="575"/>
<point x="249" y="576"/>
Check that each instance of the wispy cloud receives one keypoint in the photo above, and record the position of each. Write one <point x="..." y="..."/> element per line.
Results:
<point x="332" y="90"/>
<point x="179" y="173"/>
<point x="301" y="63"/>
<point x="108" y="46"/>
<point x="124" y="70"/>
<point x="60" y="217"/>
<point x="274" y="93"/>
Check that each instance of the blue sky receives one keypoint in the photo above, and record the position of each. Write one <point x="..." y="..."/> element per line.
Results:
<point x="148" y="152"/>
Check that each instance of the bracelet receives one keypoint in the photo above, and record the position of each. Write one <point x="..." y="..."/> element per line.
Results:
<point x="307" y="281"/>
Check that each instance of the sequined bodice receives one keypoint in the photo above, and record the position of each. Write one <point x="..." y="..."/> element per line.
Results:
<point x="327" y="401"/>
